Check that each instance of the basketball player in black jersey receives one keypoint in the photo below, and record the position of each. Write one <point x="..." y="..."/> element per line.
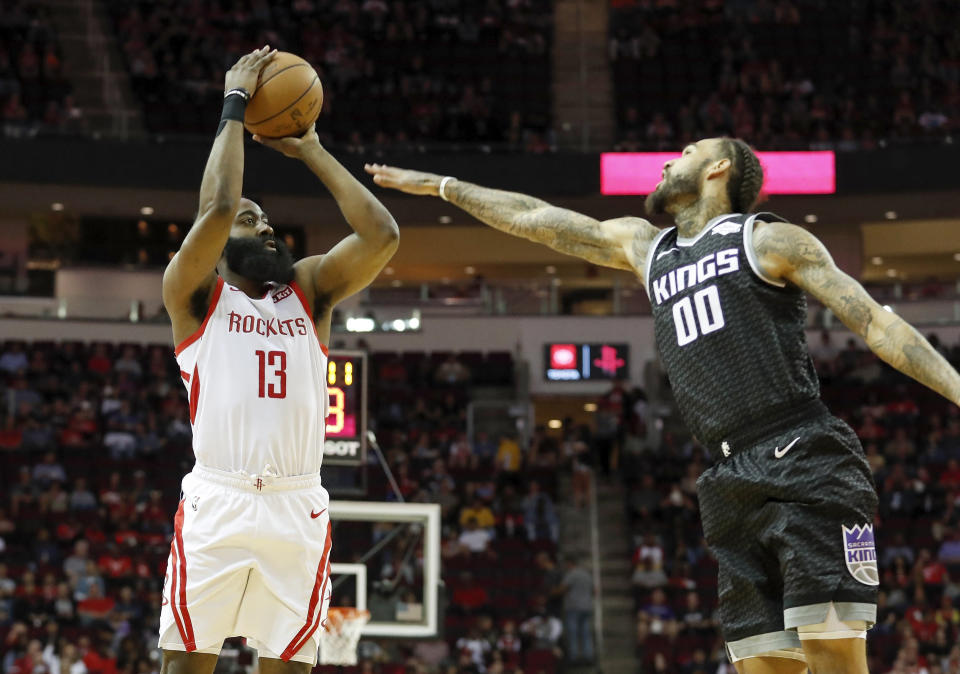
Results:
<point x="789" y="504"/>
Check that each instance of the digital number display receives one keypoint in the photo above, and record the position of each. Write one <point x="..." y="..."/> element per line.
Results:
<point x="343" y="377"/>
<point x="586" y="362"/>
<point x="346" y="418"/>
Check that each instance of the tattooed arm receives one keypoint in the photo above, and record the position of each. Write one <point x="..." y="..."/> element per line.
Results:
<point x="790" y="253"/>
<point x="620" y="243"/>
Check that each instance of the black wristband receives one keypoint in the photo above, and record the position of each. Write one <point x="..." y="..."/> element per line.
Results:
<point x="233" y="109"/>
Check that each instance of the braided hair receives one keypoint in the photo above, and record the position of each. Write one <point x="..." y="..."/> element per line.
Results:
<point x="746" y="175"/>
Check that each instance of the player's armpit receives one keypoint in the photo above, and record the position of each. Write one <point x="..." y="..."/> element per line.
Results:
<point x="791" y="253"/>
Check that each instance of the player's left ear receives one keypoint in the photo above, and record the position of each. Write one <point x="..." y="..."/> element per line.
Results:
<point x="718" y="168"/>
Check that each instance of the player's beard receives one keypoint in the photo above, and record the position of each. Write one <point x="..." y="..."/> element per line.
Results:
<point x="684" y="184"/>
<point x="249" y="257"/>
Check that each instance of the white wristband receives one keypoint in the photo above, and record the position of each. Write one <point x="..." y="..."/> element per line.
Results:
<point x="443" y="184"/>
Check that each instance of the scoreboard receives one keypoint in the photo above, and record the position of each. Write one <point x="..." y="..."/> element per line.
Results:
<point x="346" y="436"/>
<point x="585" y="362"/>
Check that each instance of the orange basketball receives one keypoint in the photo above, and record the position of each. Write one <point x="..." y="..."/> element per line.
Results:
<point x="287" y="100"/>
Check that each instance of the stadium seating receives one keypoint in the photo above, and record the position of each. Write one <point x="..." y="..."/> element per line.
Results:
<point x="785" y="74"/>
<point x="398" y="73"/>
<point x="34" y="94"/>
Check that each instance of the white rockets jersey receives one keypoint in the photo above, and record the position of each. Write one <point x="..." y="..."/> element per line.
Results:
<point x="255" y="372"/>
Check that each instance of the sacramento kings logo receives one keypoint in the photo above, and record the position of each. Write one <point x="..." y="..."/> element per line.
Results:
<point x="860" y="553"/>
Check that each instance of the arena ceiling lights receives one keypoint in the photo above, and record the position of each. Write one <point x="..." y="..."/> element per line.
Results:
<point x="785" y="172"/>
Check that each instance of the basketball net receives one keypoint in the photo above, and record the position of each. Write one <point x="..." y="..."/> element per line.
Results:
<point x="340" y="636"/>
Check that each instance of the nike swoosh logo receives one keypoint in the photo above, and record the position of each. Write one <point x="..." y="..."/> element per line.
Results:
<point x="780" y="453"/>
<point x="666" y="252"/>
<point x="314" y="515"/>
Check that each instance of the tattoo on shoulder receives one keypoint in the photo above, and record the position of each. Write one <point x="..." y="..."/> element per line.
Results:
<point x="792" y="243"/>
<point x="640" y="246"/>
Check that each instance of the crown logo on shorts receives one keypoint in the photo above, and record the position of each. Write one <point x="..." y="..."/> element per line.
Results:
<point x="860" y="553"/>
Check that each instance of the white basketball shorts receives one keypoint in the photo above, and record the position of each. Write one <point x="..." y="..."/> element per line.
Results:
<point x="250" y="557"/>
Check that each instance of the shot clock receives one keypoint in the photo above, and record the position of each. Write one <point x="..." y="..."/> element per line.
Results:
<point x="346" y="441"/>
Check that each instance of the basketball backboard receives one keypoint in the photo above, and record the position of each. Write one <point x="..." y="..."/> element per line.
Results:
<point x="387" y="561"/>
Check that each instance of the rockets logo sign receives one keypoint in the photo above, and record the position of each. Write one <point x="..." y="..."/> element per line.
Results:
<point x="584" y="362"/>
<point x="563" y="356"/>
<point x="609" y="361"/>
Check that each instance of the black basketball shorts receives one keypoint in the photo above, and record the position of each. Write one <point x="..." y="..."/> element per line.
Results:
<point x="790" y="521"/>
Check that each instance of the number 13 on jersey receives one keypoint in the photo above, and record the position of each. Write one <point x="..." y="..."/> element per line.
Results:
<point x="273" y="384"/>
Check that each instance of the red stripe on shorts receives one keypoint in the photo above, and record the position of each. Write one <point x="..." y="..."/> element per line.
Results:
<point x="316" y="602"/>
<point x="173" y="590"/>
<point x="194" y="394"/>
<point x="186" y="632"/>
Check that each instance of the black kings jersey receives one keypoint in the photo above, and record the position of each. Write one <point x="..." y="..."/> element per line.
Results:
<point x="732" y="341"/>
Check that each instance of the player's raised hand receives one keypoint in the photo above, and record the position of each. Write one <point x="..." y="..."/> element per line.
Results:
<point x="292" y="146"/>
<point x="246" y="71"/>
<point x="405" y="180"/>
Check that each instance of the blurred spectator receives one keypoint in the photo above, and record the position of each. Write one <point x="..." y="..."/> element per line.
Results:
<point x="68" y="662"/>
<point x="81" y="498"/>
<point x="539" y="515"/>
<point x="648" y="574"/>
<point x="543" y="629"/>
<point x="7" y="584"/>
<point x="32" y="661"/>
<point x="657" y="611"/>
<point x="897" y="548"/>
<point x="578" y="453"/>
<point x="469" y="594"/>
<point x="88" y="579"/>
<point x="473" y="538"/>
<point x="508" y="454"/>
<point x="608" y="418"/>
<point x="99" y="362"/>
<point x="578" y="590"/>
<point x="461" y="454"/>
<point x="49" y="471"/>
<point x="94" y="607"/>
<point x="452" y="371"/>
<point x="128" y="363"/>
<point x="949" y="552"/>
<point x="484" y="448"/>
<point x="477" y="647"/>
<point x="650" y="548"/>
<point x="509" y="641"/>
<point x="551" y="580"/>
<point x="479" y="513"/>
<point x="693" y="617"/>
<point x="14" y="359"/>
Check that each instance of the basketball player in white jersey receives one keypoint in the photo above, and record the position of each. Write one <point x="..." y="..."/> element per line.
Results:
<point x="250" y="554"/>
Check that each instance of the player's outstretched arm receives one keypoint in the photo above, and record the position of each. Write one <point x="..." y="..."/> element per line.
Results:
<point x="193" y="267"/>
<point x="791" y="253"/>
<point x="621" y="243"/>
<point x="353" y="263"/>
